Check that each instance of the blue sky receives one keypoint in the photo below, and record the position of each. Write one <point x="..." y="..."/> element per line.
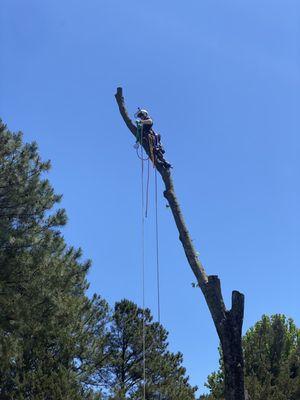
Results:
<point x="221" y="80"/>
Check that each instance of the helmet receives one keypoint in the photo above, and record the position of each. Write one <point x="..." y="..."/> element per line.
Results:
<point x="141" y="113"/>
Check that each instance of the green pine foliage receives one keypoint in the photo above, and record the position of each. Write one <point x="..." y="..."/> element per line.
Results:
<point x="45" y="332"/>
<point x="165" y="375"/>
<point x="272" y="354"/>
<point x="272" y="362"/>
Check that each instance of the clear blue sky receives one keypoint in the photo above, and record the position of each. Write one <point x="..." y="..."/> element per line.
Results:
<point x="222" y="81"/>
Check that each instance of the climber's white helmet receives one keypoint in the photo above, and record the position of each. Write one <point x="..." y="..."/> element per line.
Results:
<point x="141" y="113"/>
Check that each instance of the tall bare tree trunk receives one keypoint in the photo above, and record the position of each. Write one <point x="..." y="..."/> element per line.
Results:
<point x="228" y="323"/>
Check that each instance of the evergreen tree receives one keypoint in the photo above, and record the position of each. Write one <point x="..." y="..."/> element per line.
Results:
<point x="47" y="324"/>
<point x="164" y="373"/>
<point x="272" y="362"/>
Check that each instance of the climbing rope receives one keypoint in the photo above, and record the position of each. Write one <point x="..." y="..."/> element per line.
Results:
<point x="144" y="212"/>
<point x="143" y="269"/>
<point x="140" y="155"/>
<point x="147" y="188"/>
<point x="157" y="260"/>
<point x="157" y="249"/>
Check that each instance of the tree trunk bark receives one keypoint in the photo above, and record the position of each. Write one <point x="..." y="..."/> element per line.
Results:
<point x="228" y="323"/>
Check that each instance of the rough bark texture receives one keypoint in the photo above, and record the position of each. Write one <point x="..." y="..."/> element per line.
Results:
<point x="228" y="323"/>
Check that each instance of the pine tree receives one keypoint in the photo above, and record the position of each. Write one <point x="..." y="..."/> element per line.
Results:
<point x="47" y="324"/>
<point x="272" y="362"/>
<point x="163" y="369"/>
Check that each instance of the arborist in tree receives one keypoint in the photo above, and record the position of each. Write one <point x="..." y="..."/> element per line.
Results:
<point x="144" y="129"/>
